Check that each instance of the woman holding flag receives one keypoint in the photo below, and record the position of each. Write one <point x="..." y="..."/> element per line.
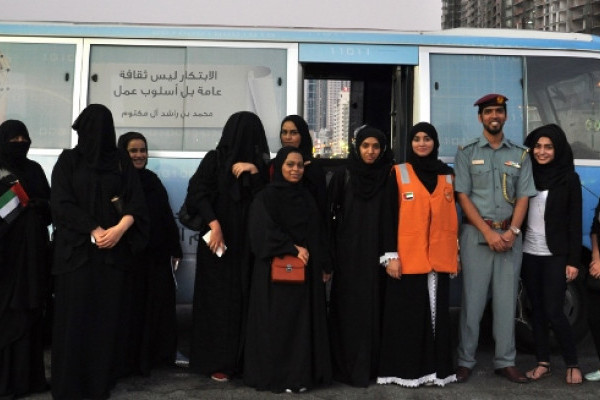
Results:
<point x="24" y="267"/>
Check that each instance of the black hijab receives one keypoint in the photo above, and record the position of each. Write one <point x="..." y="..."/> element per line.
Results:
<point x="367" y="179"/>
<point x="288" y="203"/>
<point x="13" y="155"/>
<point x="555" y="172"/>
<point x="97" y="138"/>
<point x="306" y="143"/>
<point x="429" y="167"/>
<point x="122" y="143"/>
<point x="243" y="140"/>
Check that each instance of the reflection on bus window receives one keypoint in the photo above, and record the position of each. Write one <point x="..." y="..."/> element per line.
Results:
<point x="566" y="91"/>
<point x="327" y="112"/>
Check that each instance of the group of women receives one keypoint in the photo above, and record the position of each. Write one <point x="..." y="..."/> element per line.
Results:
<point x="386" y="233"/>
<point x="114" y="240"/>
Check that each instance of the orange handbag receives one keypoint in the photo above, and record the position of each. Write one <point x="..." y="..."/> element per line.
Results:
<point x="287" y="269"/>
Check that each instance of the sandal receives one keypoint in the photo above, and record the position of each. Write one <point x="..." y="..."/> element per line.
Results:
<point x="541" y="370"/>
<point x="571" y="380"/>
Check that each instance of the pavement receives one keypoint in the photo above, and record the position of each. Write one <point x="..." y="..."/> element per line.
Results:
<point x="180" y="383"/>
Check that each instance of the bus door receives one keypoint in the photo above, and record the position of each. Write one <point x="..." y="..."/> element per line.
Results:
<point x="347" y="86"/>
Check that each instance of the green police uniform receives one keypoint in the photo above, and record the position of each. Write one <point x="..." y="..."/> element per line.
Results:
<point x="492" y="179"/>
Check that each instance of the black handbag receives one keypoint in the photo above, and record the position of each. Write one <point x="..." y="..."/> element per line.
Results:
<point x="192" y="222"/>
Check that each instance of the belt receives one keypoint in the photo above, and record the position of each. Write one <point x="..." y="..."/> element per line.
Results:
<point x="503" y="225"/>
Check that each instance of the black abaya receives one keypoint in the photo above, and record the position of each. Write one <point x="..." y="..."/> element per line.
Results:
<point x="286" y="343"/>
<point x="357" y="284"/>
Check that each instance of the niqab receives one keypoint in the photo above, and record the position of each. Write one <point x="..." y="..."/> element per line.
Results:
<point x="429" y="167"/>
<point x="13" y="155"/>
<point x="367" y="179"/>
<point x="555" y="172"/>
<point x="97" y="138"/>
<point x="243" y="140"/>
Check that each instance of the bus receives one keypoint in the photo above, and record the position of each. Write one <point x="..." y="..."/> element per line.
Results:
<point x="178" y="84"/>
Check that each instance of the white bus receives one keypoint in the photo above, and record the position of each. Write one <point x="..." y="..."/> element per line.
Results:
<point x="178" y="85"/>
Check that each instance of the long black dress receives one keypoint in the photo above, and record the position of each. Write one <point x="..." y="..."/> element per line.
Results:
<point x="221" y="283"/>
<point x="151" y="286"/>
<point x="286" y="343"/>
<point x="24" y="273"/>
<point x="89" y="280"/>
<point x="355" y="306"/>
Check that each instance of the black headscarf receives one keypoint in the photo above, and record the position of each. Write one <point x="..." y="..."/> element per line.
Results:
<point x="306" y="143"/>
<point x="97" y="138"/>
<point x="13" y="155"/>
<point x="243" y="140"/>
<point x="288" y="203"/>
<point x="145" y="178"/>
<point x="367" y="179"/>
<point x="546" y="176"/>
<point x="429" y="167"/>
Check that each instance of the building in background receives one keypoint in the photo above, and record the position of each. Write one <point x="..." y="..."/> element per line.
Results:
<point x="580" y="16"/>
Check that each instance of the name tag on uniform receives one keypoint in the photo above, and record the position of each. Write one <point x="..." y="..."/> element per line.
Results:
<point x="512" y="164"/>
<point x="477" y="162"/>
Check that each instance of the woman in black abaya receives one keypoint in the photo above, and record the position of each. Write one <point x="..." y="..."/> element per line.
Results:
<point x="221" y="191"/>
<point x="94" y="245"/>
<point x="286" y="343"/>
<point x="153" y="319"/>
<point x="294" y="132"/>
<point x="357" y="196"/>
<point x="24" y="267"/>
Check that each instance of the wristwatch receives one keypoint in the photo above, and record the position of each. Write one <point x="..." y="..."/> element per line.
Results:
<point x="515" y="230"/>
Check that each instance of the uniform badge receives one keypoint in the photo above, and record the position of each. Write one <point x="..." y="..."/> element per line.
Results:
<point x="478" y="162"/>
<point x="408" y="195"/>
<point x="512" y="164"/>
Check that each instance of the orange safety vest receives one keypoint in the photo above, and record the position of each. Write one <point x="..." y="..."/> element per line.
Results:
<point x="427" y="224"/>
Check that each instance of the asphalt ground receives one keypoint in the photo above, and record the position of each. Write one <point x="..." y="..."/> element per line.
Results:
<point x="179" y="383"/>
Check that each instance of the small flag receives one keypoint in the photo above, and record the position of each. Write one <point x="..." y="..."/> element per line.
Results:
<point x="408" y="195"/>
<point x="12" y="202"/>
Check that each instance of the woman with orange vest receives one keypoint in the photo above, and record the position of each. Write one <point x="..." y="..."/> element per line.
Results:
<point x="416" y="347"/>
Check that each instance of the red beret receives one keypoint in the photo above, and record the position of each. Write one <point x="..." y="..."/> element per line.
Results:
<point x="492" y="99"/>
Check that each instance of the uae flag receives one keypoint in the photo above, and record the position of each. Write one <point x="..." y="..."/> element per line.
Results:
<point x="12" y="202"/>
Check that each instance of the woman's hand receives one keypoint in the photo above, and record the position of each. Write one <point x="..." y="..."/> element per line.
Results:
<point x="595" y="269"/>
<point x="394" y="269"/>
<point x="111" y="236"/>
<point x="216" y="240"/>
<point x="571" y="273"/>
<point x="240" y="167"/>
<point x="302" y="254"/>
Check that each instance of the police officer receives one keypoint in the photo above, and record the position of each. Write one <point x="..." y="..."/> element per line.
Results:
<point x="493" y="185"/>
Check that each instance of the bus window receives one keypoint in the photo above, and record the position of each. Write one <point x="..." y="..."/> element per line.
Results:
<point x="36" y="87"/>
<point x="181" y="97"/>
<point x="458" y="80"/>
<point x="566" y="91"/>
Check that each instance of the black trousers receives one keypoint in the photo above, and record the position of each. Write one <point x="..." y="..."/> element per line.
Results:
<point x="593" y="307"/>
<point x="545" y="281"/>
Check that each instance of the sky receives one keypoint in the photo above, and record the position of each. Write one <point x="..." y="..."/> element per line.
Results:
<point x="398" y="15"/>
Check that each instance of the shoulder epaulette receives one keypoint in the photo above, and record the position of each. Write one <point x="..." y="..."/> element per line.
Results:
<point x="468" y="143"/>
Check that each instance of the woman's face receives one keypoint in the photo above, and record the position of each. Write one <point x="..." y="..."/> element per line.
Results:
<point x="422" y="144"/>
<point x="289" y="135"/>
<point x="543" y="151"/>
<point x="293" y="167"/>
<point x="369" y="149"/>
<point x="138" y="153"/>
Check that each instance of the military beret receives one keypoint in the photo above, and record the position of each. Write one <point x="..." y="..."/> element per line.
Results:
<point x="492" y="99"/>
